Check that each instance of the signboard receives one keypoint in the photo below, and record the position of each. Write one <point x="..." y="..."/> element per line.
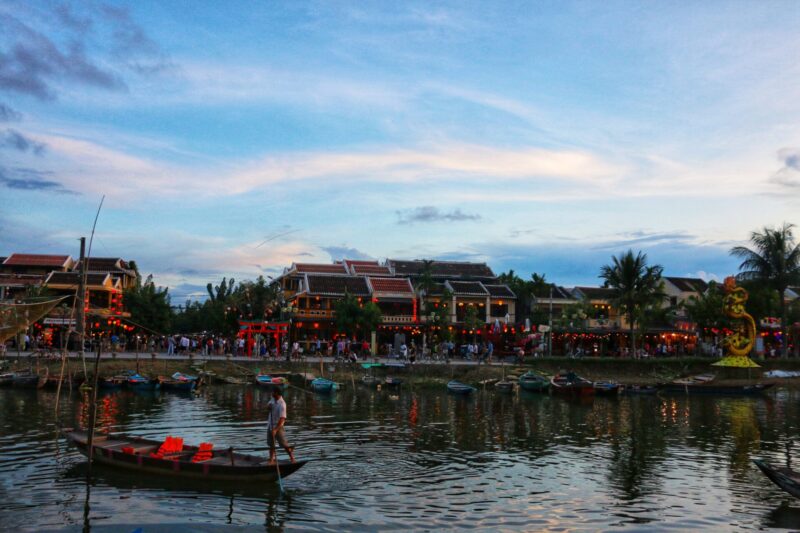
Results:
<point x="59" y="321"/>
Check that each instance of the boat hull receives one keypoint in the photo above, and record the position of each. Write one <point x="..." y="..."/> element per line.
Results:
<point x="505" y="387"/>
<point x="456" y="387"/>
<point x="788" y="480"/>
<point x="735" y="390"/>
<point x="25" y="381"/>
<point x="106" y="451"/>
<point x="533" y="383"/>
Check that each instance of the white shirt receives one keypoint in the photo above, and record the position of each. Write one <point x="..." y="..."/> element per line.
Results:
<point x="277" y="410"/>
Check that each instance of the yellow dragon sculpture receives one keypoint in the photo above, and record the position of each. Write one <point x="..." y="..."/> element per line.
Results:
<point x="740" y="343"/>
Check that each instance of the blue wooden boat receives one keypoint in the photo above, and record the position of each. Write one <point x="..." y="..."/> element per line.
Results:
<point x="786" y="478"/>
<point x="142" y="383"/>
<point x="533" y="382"/>
<point x="324" y="386"/>
<point x="112" y="383"/>
<point x="270" y="382"/>
<point x="606" y="388"/>
<point x="177" y="385"/>
<point x="456" y="387"/>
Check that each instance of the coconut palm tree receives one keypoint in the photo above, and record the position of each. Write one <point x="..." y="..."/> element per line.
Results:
<point x="636" y="285"/>
<point x="774" y="260"/>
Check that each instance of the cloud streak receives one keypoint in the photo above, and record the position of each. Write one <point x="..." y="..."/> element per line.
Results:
<point x="17" y="141"/>
<point x="429" y="213"/>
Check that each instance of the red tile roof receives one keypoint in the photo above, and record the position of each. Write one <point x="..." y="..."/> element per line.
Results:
<point x="351" y="262"/>
<point x="467" y="288"/>
<point x="320" y="268"/>
<point x="337" y="285"/>
<point x="37" y="260"/>
<point x="392" y="285"/>
<point x="449" y="269"/>
<point x="371" y="269"/>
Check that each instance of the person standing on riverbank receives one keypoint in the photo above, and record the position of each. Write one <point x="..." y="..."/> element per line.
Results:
<point x="275" y="423"/>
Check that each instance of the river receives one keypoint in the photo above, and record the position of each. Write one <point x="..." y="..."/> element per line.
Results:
<point x="417" y="460"/>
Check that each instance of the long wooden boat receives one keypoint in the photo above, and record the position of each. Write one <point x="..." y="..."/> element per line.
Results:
<point x="456" y="387"/>
<point x="142" y="383"/>
<point x="271" y="382"/>
<point x="570" y="384"/>
<point x="223" y="465"/>
<point x="176" y="385"/>
<point x="786" y="478"/>
<point x="25" y="380"/>
<point x="505" y="387"/>
<point x="606" y="388"/>
<point x="704" y="384"/>
<point x="533" y="382"/>
<point x="324" y="386"/>
<point x="640" y="389"/>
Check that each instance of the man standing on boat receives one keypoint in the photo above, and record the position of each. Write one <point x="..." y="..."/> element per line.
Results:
<point x="275" y="422"/>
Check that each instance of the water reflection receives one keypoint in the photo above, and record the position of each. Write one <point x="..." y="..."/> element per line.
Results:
<point x="415" y="460"/>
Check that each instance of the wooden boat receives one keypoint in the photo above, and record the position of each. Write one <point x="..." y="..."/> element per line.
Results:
<point x="25" y="380"/>
<point x="270" y="382"/>
<point x="392" y="382"/>
<point x="639" y="389"/>
<point x="112" y="383"/>
<point x="506" y="387"/>
<point x="456" y="387"/>
<point x="606" y="388"/>
<point x="324" y="386"/>
<point x="6" y="380"/>
<point x="704" y="384"/>
<point x="570" y="384"/>
<point x="786" y="478"/>
<point x="533" y="382"/>
<point x="176" y="385"/>
<point x="223" y="465"/>
<point x="142" y="383"/>
<point x="370" y="381"/>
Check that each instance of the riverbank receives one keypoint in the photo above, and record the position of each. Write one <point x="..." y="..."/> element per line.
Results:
<point x="625" y="371"/>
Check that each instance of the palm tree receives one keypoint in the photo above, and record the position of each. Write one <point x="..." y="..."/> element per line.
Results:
<point x="774" y="261"/>
<point x="635" y="284"/>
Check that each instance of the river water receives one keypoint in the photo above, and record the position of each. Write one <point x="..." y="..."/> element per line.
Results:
<point x="417" y="460"/>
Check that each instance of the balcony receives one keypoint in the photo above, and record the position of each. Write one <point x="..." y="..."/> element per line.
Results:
<point x="314" y="313"/>
<point x="398" y="319"/>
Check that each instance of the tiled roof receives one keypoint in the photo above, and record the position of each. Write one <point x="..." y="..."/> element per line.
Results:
<point x="500" y="291"/>
<point x="596" y="293"/>
<point x="370" y="270"/>
<point x="688" y="284"/>
<point x="37" y="260"/>
<point x="336" y="285"/>
<point x="561" y="293"/>
<point x="452" y="269"/>
<point x="467" y="288"/>
<point x="362" y="262"/>
<point x="11" y="280"/>
<point x="72" y="278"/>
<point x="392" y="285"/>
<point x="318" y="268"/>
<point x="108" y="264"/>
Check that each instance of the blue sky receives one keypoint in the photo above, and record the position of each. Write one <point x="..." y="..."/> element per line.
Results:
<point x="233" y="138"/>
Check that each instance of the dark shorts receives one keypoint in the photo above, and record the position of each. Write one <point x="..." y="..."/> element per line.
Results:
<point x="280" y="437"/>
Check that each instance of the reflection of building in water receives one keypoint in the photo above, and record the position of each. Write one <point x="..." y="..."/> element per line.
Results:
<point x="108" y="411"/>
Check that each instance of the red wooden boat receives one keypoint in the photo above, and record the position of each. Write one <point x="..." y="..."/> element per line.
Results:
<point x="571" y="384"/>
<point x="139" y="454"/>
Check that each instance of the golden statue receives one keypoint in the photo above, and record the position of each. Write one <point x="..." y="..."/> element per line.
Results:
<point x="740" y="343"/>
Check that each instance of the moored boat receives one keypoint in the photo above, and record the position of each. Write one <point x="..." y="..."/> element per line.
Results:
<point x="706" y="384"/>
<point x="606" y="388"/>
<point x="786" y="478"/>
<point x="639" y="389"/>
<point x="112" y="383"/>
<point x="142" y="383"/>
<point x="370" y="381"/>
<point x="25" y="380"/>
<point x="392" y="382"/>
<point x="6" y="380"/>
<point x="176" y="385"/>
<point x="571" y="384"/>
<point x="324" y="386"/>
<point x="533" y="382"/>
<point x="456" y="387"/>
<point x="506" y="387"/>
<point x="203" y="462"/>
<point x="271" y="382"/>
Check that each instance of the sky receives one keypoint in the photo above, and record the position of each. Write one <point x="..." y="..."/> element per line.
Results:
<point x="233" y="138"/>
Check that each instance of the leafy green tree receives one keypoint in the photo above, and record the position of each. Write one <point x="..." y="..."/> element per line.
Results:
<point x="473" y="320"/>
<point x="352" y="316"/>
<point x="705" y="309"/>
<point x="149" y="305"/>
<point x="635" y="285"/>
<point x="257" y="299"/>
<point x="774" y="261"/>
